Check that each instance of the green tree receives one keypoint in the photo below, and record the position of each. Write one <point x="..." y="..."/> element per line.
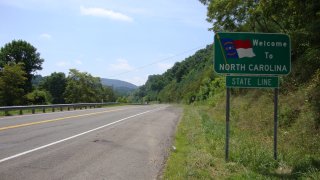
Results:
<point x="83" y="87"/>
<point x="21" y="51"/>
<point x="107" y="94"/>
<point x="38" y="97"/>
<point x="55" y="84"/>
<point x="122" y="100"/>
<point x="12" y="80"/>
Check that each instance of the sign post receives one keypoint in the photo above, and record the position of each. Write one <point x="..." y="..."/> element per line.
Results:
<point x="227" y="123"/>
<point x="252" y="60"/>
<point x="275" y="131"/>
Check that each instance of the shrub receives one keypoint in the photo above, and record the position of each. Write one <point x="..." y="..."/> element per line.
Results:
<point x="38" y="97"/>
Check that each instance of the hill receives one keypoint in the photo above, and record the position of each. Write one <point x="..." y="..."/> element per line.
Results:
<point x="121" y="87"/>
<point x="182" y="82"/>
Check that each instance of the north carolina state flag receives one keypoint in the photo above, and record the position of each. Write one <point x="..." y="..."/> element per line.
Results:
<point x="244" y="48"/>
<point x="237" y="48"/>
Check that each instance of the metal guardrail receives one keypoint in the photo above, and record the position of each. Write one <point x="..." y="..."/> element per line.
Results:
<point x="33" y="108"/>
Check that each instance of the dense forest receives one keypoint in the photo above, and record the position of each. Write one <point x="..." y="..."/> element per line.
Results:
<point x="185" y="82"/>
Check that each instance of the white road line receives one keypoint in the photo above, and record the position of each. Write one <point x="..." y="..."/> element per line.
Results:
<point x="72" y="137"/>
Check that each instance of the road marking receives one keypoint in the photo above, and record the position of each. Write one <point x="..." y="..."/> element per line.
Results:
<point x="57" y="119"/>
<point x="72" y="137"/>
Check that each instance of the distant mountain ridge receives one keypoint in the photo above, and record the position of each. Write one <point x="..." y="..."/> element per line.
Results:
<point x="122" y="87"/>
<point x="117" y="83"/>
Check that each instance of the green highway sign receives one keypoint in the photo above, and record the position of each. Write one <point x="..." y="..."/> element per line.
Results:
<point x="252" y="81"/>
<point x="252" y="53"/>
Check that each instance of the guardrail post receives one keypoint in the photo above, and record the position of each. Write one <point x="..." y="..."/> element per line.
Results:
<point x="32" y="108"/>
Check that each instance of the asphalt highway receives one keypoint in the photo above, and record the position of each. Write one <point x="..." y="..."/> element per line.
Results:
<point x="125" y="142"/>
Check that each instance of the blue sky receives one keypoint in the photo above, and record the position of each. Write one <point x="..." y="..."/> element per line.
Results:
<point x="118" y="39"/>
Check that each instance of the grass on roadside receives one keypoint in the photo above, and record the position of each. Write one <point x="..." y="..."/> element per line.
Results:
<point x="200" y="141"/>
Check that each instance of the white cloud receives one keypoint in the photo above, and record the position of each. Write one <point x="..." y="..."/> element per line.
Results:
<point x="45" y="36"/>
<point x="105" y="13"/>
<point x="121" y="65"/>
